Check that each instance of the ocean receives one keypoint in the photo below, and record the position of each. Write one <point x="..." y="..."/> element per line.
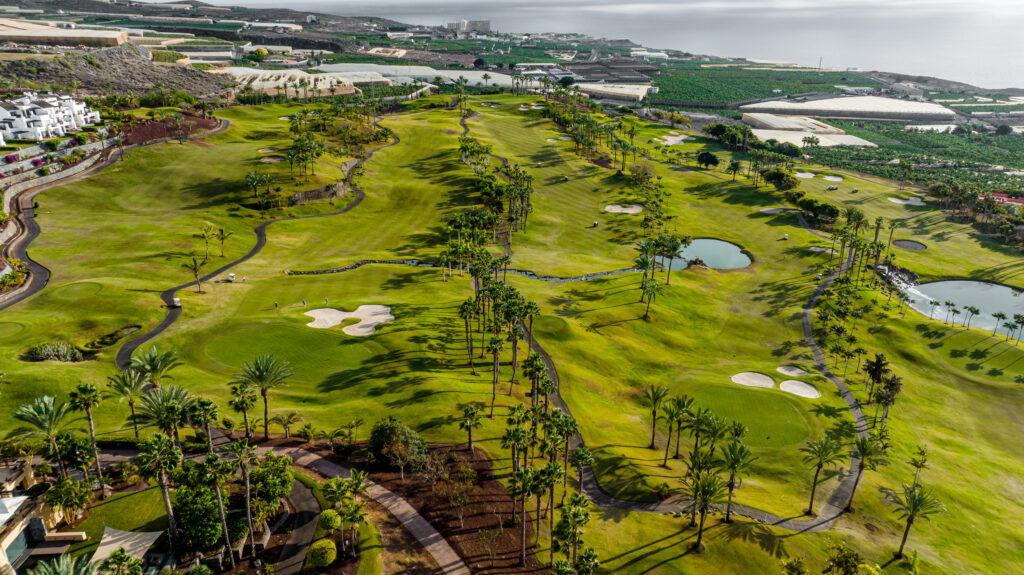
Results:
<point x="972" y="41"/>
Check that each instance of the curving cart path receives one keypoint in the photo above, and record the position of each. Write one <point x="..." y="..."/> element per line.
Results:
<point x="124" y="355"/>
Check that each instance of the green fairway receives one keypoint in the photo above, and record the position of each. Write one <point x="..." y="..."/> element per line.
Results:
<point x="117" y="239"/>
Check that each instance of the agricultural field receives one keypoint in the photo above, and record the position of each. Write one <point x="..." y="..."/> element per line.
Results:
<point x="691" y="85"/>
<point x="705" y="326"/>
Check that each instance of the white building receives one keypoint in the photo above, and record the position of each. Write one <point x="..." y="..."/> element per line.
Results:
<point x="37" y="117"/>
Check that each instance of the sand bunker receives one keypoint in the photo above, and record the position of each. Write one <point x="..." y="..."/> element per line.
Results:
<point x="772" y="210"/>
<point x="267" y="150"/>
<point x="285" y="118"/>
<point x="370" y="315"/>
<point x="909" y="245"/>
<point x="617" y="209"/>
<point x="834" y="178"/>
<point x="791" y="371"/>
<point x="753" y="379"/>
<point x="821" y="249"/>
<point x="672" y="139"/>
<point x="552" y="141"/>
<point x="804" y="175"/>
<point x="799" y="388"/>
<point x="564" y="138"/>
<point x="913" y="201"/>
<point x="271" y="159"/>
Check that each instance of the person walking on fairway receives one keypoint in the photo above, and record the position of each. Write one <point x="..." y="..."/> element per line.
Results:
<point x="303" y="302"/>
<point x="325" y="301"/>
<point x="275" y="305"/>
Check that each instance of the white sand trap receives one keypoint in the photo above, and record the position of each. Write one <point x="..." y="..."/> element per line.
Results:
<point x="791" y="371"/>
<point x="267" y="150"/>
<point x="564" y="138"/>
<point x="271" y="159"/>
<point x="672" y="140"/>
<point x="617" y="209"/>
<point x="524" y="108"/>
<point x="913" y="201"/>
<point x="823" y="250"/>
<point x="675" y="133"/>
<point x="800" y="388"/>
<point x="371" y="316"/>
<point x="552" y="141"/>
<point x="834" y="178"/>
<point x="285" y="118"/>
<point x="753" y="379"/>
<point x="772" y="210"/>
<point x="804" y="175"/>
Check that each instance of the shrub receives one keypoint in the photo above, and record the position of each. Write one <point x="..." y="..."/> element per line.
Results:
<point x="10" y="158"/>
<point x="395" y="441"/>
<point x="52" y="145"/>
<point x="58" y="351"/>
<point x="197" y="514"/>
<point x="322" y="553"/>
<point x="37" y="162"/>
<point x="199" y="570"/>
<point x="81" y="138"/>
<point x="329" y="520"/>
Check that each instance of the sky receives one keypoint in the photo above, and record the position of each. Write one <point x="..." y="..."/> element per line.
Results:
<point x="973" y="41"/>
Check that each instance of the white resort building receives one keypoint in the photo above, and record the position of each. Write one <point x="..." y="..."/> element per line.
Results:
<point x="40" y="116"/>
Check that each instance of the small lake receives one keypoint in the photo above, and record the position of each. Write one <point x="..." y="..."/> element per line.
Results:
<point x="716" y="254"/>
<point x="988" y="297"/>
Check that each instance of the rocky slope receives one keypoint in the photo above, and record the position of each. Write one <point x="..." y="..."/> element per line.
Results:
<point x="111" y="70"/>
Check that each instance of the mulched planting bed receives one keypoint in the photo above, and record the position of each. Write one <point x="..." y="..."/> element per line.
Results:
<point x="147" y="130"/>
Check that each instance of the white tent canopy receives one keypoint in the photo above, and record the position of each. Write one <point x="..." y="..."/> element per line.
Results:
<point x="135" y="543"/>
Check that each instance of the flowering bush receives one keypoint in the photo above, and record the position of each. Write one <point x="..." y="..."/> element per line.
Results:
<point x="10" y="158"/>
<point x="37" y="162"/>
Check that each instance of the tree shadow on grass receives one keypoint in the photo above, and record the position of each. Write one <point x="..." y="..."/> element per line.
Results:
<point x="757" y="533"/>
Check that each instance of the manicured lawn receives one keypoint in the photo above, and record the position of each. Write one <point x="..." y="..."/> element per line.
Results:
<point x="959" y="396"/>
<point x="133" y="511"/>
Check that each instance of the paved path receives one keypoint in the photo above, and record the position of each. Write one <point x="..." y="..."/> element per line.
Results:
<point x="124" y="354"/>
<point x="307" y="510"/>
<point x="416" y="524"/>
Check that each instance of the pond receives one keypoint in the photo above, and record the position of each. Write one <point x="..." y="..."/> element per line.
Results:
<point x="716" y="254"/>
<point x="988" y="297"/>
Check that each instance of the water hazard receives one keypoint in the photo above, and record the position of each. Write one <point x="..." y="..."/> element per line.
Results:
<point x="988" y="297"/>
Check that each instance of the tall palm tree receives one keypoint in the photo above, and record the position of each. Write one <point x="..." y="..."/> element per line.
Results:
<point x="652" y="398"/>
<point x="915" y="501"/>
<point x="243" y="399"/>
<point x="204" y="413"/>
<point x="494" y="346"/>
<point x="736" y="460"/>
<point x="159" y="457"/>
<point x="685" y="404"/>
<point x="245" y="457"/>
<point x="215" y="471"/>
<point x="265" y="373"/>
<point x="707" y="490"/>
<point x="672" y="415"/>
<point x="166" y="409"/>
<point x="86" y="397"/>
<point x="467" y="311"/>
<point x="45" y="419"/>
<point x="127" y="385"/>
<point x="522" y="486"/>
<point x="819" y="453"/>
<point x="470" y="420"/>
<point x="870" y="455"/>
<point x="207" y="233"/>
<point x="195" y="267"/>
<point x="155" y="364"/>
<point x="222" y="235"/>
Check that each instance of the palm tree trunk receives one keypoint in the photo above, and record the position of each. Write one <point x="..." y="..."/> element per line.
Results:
<point x="266" y="415"/>
<point x="654" y="421"/>
<point x="95" y="451"/>
<point x="668" y="444"/>
<point x="814" y="487"/>
<point x="700" y="530"/>
<point x="248" y="510"/>
<point x="131" y="406"/>
<point x="906" y="533"/>
<point x="728" y="506"/>
<point x="165" y="492"/>
<point x="209" y="437"/>
<point x="860" y="472"/>
<point x="522" y="553"/>
<point x="224" y="523"/>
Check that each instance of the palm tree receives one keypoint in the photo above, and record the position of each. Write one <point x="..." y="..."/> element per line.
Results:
<point x="651" y="290"/>
<point x="128" y="385"/>
<point x="87" y="397"/>
<point x="245" y="456"/>
<point x="195" y="266"/>
<point x="166" y="409"/>
<point x="915" y="501"/>
<point x="243" y="398"/>
<point x="158" y="457"/>
<point x="65" y="565"/>
<point x="155" y="364"/>
<point x="1000" y="317"/>
<point x="523" y="485"/>
<point x="353" y="512"/>
<point x="222" y="236"/>
<point x="494" y="346"/>
<point x="44" y="420"/>
<point x="264" y="373"/>
<point x="120" y="563"/>
<point x="707" y="490"/>
<point x="286" y="421"/>
<point x="207" y="233"/>
<point x="467" y="311"/>
<point x="469" y="421"/>
<point x="215" y="471"/>
<point x="733" y="168"/>
<point x="685" y="404"/>
<point x="652" y="398"/>
<point x="736" y="460"/>
<point x="870" y="455"/>
<point x="819" y="453"/>
<point x="204" y="413"/>
<point x="673" y="415"/>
